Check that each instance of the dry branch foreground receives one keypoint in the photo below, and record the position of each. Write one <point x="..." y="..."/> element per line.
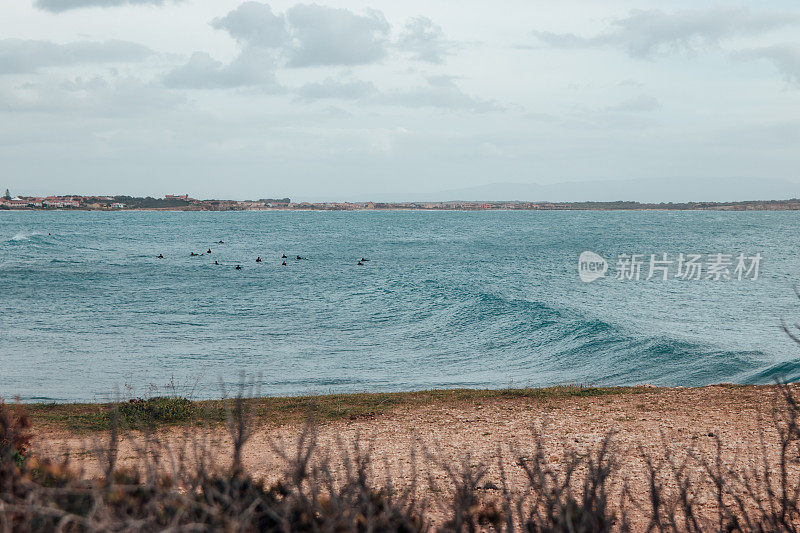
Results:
<point x="701" y="459"/>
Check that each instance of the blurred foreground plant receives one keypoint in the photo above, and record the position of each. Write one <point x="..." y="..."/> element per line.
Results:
<point x="183" y="483"/>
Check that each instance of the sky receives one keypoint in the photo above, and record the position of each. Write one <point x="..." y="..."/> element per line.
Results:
<point x="353" y="100"/>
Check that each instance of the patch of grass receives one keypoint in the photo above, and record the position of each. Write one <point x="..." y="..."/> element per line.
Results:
<point x="162" y="411"/>
<point x="155" y="411"/>
<point x="152" y="412"/>
<point x="73" y="416"/>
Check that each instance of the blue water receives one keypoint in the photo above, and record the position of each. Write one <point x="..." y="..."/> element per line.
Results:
<point x="449" y="299"/>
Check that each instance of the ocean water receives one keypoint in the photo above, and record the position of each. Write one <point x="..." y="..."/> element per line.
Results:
<point x="448" y="299"/>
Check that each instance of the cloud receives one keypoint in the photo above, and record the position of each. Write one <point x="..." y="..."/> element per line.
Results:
<point x="785" y="57"/>
<point x="648" y="33"/>
<point x="332" y="36"/>
<point x="303" y="36"/>
<point x="259" y="31"/>
<point x="638" y="104"/>
<point x="254" y="24"/>
<point x="58" y="6"/>
<point x="441" y="92"/>
<point x="306" y="35"/>
<point x="95" y="95"/>
<point x="253" y="67"/>
<point x="338" y="89"/>
<point x="424" y="39"/>
<point x="19" y="56"/>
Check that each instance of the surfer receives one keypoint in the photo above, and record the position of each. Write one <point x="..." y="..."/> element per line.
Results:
<point x="238" y="267"/>
<point x="363" y="260"/>
<point x="258" y="259"/>
<point x="283" y="256"/>
<point x="216" y="263"/>
<point x="360" y="263"/>
<point x="160" y="256"/>
<point x="209" y="251"/>
<point x="283" y="264"/>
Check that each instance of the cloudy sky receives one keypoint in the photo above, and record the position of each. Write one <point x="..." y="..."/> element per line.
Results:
<point x="346" y="99"/>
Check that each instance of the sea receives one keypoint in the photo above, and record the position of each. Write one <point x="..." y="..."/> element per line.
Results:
<point x="446" y="299"/>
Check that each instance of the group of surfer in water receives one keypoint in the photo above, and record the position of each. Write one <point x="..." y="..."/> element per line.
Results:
<point x="360" y="262"/>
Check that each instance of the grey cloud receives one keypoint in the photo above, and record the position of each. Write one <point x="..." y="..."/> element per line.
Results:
<point x="253" y="23"/>
<point x="58" y="6"/>
<point x="128" y="95"/>
<point x="424" y="39"/>
<point x="786" y="58"/>
<point x="259" y="31"/>
<point x="641" y="103"/>
<point x="303" y="36"/>
<point x="253" y="67"/>
<point x="441" y="92"/>
<point x="646" y="33"/>
<point x="310" y="35"/>
<point x="332" y="36"/>
<point x="338" y="89"/>
<point x="24" y="56"/>
<point x="541" y="117"/>
<point x="95" y="95"/>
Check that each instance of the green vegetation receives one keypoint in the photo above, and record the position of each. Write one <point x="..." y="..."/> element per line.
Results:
<point x="161" y="411"/>
<point x="154" y="411"/>
<point x="150" y="202"/>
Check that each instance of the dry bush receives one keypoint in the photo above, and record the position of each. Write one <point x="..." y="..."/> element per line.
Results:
<point x="340" y="488"/>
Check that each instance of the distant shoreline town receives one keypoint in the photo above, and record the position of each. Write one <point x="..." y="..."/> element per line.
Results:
<point x="184" y="202"/>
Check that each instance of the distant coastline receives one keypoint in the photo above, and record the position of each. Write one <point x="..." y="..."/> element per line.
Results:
<point x="186" y="203"/>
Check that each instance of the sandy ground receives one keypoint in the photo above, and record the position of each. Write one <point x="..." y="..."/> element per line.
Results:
<point x="683" y="419"/>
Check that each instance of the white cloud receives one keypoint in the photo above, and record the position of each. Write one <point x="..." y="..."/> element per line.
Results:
<point x="648" y="33"/>
<point x="441" y="92"/>
<point x="637" y="104"/>
<point x="438" y="92"/>
<point x="95" y="96"/>
<point x="252" y="67"/>
<point x="26" y="56"/>
<point x="337" y="89"/>
<point x="424" y="39"/>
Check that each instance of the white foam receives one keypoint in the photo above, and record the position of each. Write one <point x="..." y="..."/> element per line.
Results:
<point x="25" y="235"/>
